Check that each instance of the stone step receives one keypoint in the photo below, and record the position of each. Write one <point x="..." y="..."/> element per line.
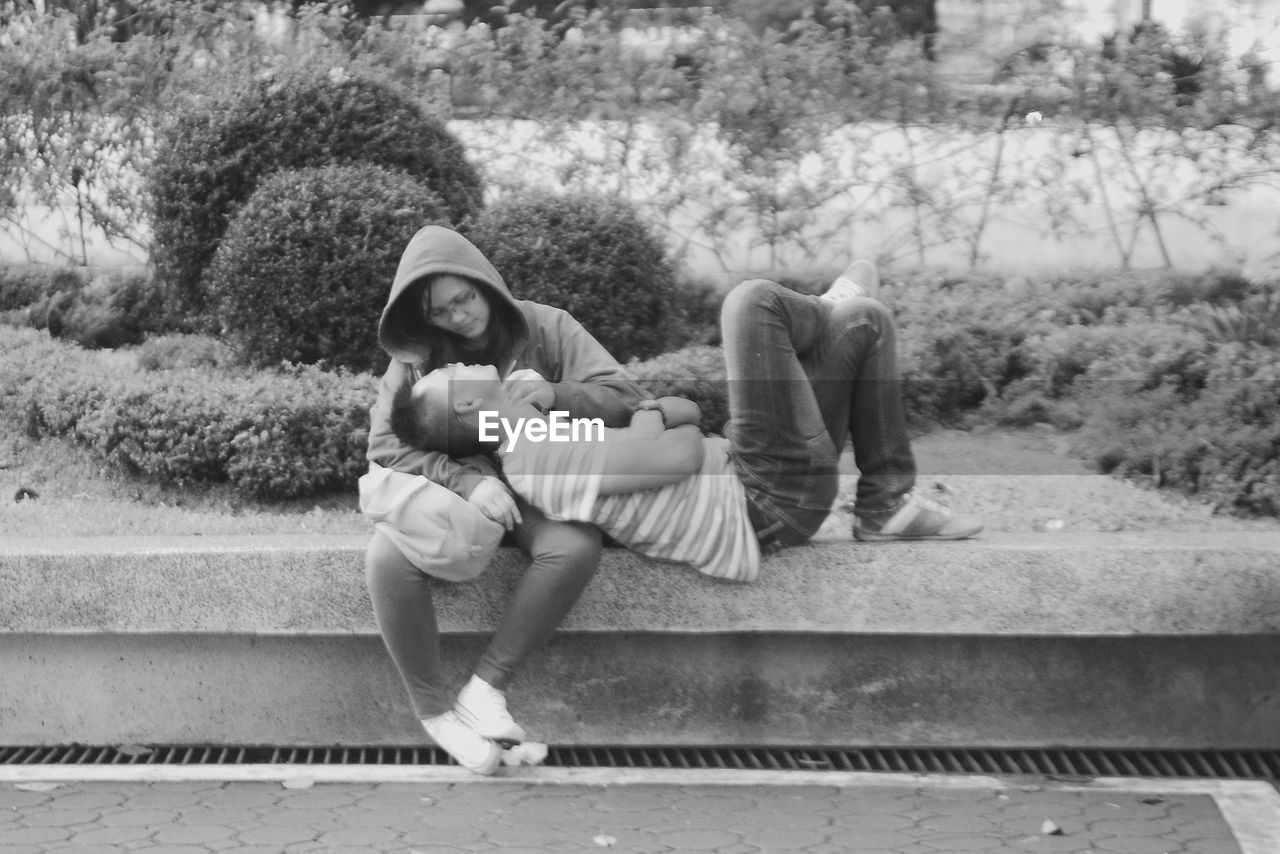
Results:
<point x="1127" y="639"/>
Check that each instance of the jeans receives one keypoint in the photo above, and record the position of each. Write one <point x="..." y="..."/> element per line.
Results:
<point x="565" y="557"/>
<point x="806" y="374"/>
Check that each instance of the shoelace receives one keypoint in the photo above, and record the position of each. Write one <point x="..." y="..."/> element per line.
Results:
<point x="926" y="503"/>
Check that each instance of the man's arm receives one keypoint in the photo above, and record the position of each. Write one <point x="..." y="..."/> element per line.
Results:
<point x="637" y="462"/>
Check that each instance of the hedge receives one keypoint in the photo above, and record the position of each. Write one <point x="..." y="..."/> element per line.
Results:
<point x="271" y="435"/>
<point x="305" y="267"/>
<point x="213" y="157"/>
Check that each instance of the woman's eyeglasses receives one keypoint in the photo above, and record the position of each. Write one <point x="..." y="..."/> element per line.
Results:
<point x="442" y="314"/>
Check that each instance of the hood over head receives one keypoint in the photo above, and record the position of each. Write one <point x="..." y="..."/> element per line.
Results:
<point x="402" y="330"/>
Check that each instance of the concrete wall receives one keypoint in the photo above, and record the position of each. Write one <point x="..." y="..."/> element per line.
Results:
<point x="1107" y="640"/>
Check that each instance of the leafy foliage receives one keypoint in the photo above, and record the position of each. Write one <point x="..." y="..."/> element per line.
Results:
<point x="214" y="156"/>
<point x="110" y="308"/>
<point x="696" y="373"/>
<point x="304" y="268"/>
<point x="271" y="435"/>
<point x="591" y="256"/>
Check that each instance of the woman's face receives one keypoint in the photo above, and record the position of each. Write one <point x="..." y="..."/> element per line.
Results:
<point x="456" y="305"/>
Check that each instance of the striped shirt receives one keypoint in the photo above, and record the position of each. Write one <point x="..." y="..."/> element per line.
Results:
<point x="701" y="520"/>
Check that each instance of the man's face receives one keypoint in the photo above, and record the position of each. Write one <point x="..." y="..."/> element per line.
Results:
<point x="457" y="383"/>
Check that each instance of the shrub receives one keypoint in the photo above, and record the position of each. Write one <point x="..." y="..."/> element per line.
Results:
<point x="114" y="309"/>
<point x="305" y="268"/>
<point x="272" y="435"/>
<point x="110" y="308"/>
<point x="696" y="373"/>
<point x="215" y="156"/>
<point x="178" y="350"/>
<point x="1221" y="443"/>
<point x="24" y="285"/>
<point x="592" y="257"/>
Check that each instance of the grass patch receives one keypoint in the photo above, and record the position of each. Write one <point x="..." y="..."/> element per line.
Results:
<point x="80" y="496"/>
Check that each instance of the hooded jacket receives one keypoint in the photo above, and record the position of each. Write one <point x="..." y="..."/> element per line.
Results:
<point x="588" y="382"/>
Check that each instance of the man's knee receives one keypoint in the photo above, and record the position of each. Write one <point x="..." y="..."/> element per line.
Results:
<point x="863" y="309"/>
<point x="748" y="294"/>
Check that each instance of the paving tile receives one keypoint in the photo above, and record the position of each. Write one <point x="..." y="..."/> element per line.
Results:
<point x="179" y="834"/>
<point x="1213" y="846"/>
<point x="265" y="835"/>
<point x="131" y="815"/>
<point x="163" y="799"/>
<point x="99" y="835"/>
<point x="11" y="797"/>
<point x="697" y="839"/>
<point x="30" y="835"/>
<point x="1130" y="827"/>
<point x="958" y="824"/>
<point x="961" y="843"/>
<point x="460" y="835"/>
<point x="87" y="800"/>
<point x="1136" y="845"/>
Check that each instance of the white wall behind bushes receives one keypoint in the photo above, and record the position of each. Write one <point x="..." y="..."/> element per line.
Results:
<point x="1045" y="211"/>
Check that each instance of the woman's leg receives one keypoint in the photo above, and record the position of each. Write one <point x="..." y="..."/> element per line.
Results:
<point x="565" y="558"/>
<point x="405" y="611"/>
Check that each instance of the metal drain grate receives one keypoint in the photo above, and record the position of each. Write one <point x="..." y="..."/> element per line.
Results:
<point x="1217" y="764"/>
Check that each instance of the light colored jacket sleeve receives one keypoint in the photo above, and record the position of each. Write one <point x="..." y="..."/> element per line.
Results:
<point x="588" y="381"/>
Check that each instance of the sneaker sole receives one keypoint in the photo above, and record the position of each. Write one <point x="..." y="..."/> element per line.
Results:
<point x="873" y="537"/>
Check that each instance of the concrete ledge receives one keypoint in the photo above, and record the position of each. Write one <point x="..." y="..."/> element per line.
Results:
<point x="1127" y="640"/>
<point x="1032" y="584"/>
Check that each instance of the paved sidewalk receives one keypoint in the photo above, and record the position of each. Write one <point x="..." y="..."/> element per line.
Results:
<point x="366" y="809"/>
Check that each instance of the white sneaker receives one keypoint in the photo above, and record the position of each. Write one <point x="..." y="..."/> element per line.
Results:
<point x="860" y="279"/>
<point x="468" y="748"/>
<point x="484" y="708"/>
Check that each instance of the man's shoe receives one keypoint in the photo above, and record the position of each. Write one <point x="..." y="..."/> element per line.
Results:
<point x="484" y="708"/>
<point x="915" y="519"/>
<point x="860" y="279"/>
<point x="468" y="748"/>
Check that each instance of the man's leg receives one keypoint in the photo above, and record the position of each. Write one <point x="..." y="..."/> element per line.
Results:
<point x="846" y="349"/>
<point x="778" y="434"/>
<point x="853" y="365"/>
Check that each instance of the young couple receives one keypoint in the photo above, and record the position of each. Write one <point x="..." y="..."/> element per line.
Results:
<point x="805" y="374"/>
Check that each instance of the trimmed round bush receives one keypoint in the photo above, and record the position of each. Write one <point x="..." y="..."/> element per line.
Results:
<point x="305" y="267"/>
<point x="213" y="158"/>
<point x="593" y="257"/>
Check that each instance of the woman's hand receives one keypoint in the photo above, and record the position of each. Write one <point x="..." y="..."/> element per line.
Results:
<point x="528" y="386"/>
<point x="494" y="499"/>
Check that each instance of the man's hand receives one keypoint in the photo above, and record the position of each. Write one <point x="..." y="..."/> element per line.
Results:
<point x="494" y="499"/>
<point x="647" y="424"/>
<point x="528" y="386"/>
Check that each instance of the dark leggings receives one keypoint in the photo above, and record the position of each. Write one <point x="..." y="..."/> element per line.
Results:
<point x="565" y="557"/>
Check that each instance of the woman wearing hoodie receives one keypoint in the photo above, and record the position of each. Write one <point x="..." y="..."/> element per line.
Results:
<point x="449" y="304"/>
